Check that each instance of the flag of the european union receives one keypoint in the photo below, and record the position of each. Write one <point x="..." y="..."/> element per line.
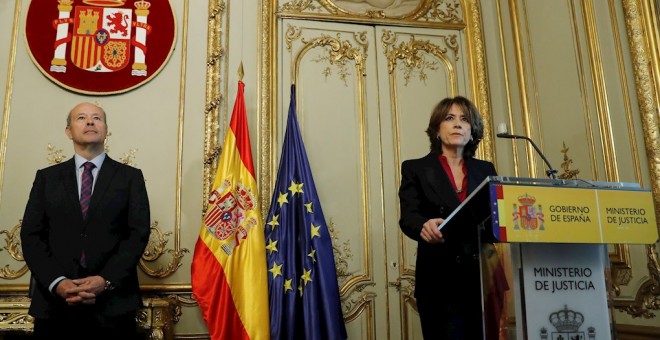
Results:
<point x="302" y="280"/>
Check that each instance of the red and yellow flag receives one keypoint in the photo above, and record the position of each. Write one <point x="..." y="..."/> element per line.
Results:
<point x="229" y="278"/>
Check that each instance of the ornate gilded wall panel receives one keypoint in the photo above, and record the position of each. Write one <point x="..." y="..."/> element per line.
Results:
<point x="364" y="95"/>
<point x="641" y="21"/>
<point x="148" y="133"/>
<point x="567" y="73"/>
<point x="377" y="85"/>
<point x="417" y="68"/>
<point x="425" y="12"/>
<point x="333" y="68"/>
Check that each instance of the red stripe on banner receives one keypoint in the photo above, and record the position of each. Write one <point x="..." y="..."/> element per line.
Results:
<point x="63" y="40"/>
<point x="495" y="301"/>
<point x="139" y="45"/>
<point x="502" y="233"/>
<point x="238" y="124"/>
<point x="211" y="286"/>
<point x="500" y="192"/>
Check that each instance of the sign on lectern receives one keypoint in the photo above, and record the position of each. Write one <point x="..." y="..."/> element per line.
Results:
<point x="559" y="231"/>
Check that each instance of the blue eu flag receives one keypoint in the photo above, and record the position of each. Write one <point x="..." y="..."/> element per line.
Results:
<point x="302" y="280"/>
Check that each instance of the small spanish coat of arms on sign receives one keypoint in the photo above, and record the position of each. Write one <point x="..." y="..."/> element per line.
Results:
<point x="100" y="47"/>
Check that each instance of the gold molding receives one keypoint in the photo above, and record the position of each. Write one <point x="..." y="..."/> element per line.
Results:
<point x="340" y="51"/>
<point x="354" y="300"/>
<point x="625" y="94"/>
<point x="621" y="266"/>
<point x="9" y="88"/>
<point x="521" y="71"/>
<point x="341" y="254"/>
<point x="641" y="22"/>
<point x="586" y="108"/>
<point x="507" y="83"/>
<point x="600" y="91"/>
<point x="13" y="247"/>
<point x="268" y="104"/>
<point x="214" y="98"/>
<point x="647" y="298"/>
<point x="427" y="12"/>
<point x="408" y="52"/>
<point x="479" y="76"/>
<point x="353" y="308"/>
<point x="156" y="249"/>
<point x="637" y="332"/>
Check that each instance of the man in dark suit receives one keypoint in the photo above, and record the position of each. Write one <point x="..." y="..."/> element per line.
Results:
<point x="84" y="230"/>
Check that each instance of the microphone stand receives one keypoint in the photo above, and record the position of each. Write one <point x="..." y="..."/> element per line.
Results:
<point x="552" y="173"/>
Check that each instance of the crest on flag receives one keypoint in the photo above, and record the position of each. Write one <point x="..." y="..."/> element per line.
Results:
<point x="100" y="46"/>
<point x="228" y="270"/>
<point x="227" y="217"/>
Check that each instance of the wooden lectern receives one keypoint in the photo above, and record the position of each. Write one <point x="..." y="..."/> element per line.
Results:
<point x="558" y="231"/>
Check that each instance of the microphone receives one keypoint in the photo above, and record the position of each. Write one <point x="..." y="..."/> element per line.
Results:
<point x="502" y="133"/>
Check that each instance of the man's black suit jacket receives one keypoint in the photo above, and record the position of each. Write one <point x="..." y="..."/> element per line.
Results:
<point x="426" y="192"/>
<point x="113" y="236"/>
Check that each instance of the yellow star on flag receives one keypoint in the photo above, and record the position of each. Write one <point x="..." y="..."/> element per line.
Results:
<point x="306" y="276"/>
<point x="282" y="199"/>
<point x="300" y="289"/>
<point x="312" y="254"/>
<point x="295" y="188"/>
<point x="271" y="246"/>
<point x="276" y="269"/>
<point x="274" y="222"/>
<point x="287" y="285"/>
<point x="315" y="231"/>
<point x="309" y="207"/>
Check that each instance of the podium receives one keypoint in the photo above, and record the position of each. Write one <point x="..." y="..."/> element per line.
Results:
<point x="558" y="231"/>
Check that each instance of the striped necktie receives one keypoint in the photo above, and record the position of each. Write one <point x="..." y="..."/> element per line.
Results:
<point x="86" y="182"/>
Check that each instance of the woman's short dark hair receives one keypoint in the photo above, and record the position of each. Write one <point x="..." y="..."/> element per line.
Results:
<point x="473" y="117"/>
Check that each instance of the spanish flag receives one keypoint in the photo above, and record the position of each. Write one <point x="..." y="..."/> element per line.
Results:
<point x="229" y="278"/>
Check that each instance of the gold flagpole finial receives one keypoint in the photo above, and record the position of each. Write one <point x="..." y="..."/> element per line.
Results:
<point x="240" y="71"/>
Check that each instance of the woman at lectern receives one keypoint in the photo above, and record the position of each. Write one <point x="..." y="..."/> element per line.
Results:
<point x="447" y="281"/>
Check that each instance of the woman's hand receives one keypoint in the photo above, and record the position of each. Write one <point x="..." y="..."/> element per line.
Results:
<point x="430" y="232"/>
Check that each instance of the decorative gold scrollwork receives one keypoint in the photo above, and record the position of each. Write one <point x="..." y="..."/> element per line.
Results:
<point x="566" y="165"/>
<point x="648" y="295"/>
<point x="13" y="247"/>
<point x="155" y="249"/>
<point x="129" y="157"/>
<point x="214" y="96"/>
<point x="406" y="284"/>
<point x="55" y="155"/>
<point x="341" y="253"/>
<point x="219" y="8"/>
<point x="446" y="11"/>
<point x="414" y="62"/>
<point x="433" y="11"/>
<point x="298" y="6"/>
<point x="292" y="33"/>
<point x="341" y="51"/>
<point x="352" y="308"/>
<point x="7" y="320"/>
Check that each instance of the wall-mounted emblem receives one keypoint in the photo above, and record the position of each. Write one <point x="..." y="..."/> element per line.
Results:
<point x="100" y="46"/>
<point x="528" y="216"/>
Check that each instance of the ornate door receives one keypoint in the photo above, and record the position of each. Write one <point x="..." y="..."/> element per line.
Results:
<point x="364" y="96"/>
